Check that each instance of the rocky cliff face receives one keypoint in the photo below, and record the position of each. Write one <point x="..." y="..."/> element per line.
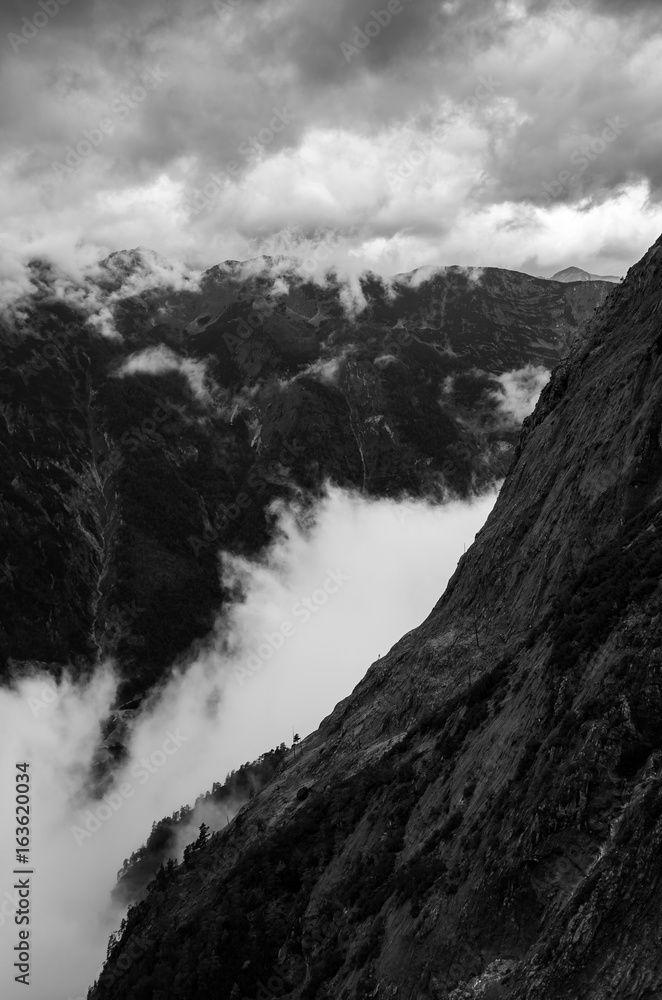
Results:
<point x="147" y="422"/>
<point x="482" y="816"/>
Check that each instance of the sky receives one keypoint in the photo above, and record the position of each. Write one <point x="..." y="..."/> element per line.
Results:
<point x="384" y="133"/>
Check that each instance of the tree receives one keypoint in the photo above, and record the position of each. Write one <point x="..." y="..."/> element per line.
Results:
<point x="295" y="740"/>
<point x="203" y="836"/>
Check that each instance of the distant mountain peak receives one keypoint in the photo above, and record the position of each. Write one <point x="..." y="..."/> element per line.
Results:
<point x="129" y="260"/>
<point x="578" y="274"/>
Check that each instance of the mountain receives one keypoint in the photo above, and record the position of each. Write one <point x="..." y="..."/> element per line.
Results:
<point x="577" y="274"/>
<point x="482" y="816"/>
<point x="149" y="419"/>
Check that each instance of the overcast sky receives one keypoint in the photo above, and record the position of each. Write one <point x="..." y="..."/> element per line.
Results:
<point x="516" y="133"/>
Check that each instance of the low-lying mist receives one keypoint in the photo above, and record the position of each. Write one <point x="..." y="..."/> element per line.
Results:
<point x="325" y="601"/>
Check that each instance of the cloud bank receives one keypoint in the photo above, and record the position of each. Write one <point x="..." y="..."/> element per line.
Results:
<point x="331" y="595"/>
<point x="519" y="392"/>
<point x="161" y="359"/>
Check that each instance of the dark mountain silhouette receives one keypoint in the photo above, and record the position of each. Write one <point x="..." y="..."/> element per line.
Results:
<point x="120" y="485"/>
<point x="482" y="816"/>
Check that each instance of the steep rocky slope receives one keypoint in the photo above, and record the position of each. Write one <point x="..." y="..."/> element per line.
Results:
<point x="482" y="816"/>
<point x="148" y="420"/>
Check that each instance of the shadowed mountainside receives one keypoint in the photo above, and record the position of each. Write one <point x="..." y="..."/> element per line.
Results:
<point x="148" y="421"/>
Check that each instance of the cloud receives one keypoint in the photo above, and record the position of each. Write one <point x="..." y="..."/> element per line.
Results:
<point x="349" y="581"/>
<point x="94" y="288"/>
<point x="161" y="359"/>
<point x="428" y="272"/>
<point x="326" y="371"/>
<point x="383" y="360"/>
<point x="59" y="746"/>
<point x="519" y="392"/>
<point x="136" y="271"/>
<point x="472" y="107"/>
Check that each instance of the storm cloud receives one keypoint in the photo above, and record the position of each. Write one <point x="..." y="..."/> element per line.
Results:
<point x="412" y="131"/>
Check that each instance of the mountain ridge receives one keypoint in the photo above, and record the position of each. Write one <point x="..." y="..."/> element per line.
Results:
<point x="146" y="424"/>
